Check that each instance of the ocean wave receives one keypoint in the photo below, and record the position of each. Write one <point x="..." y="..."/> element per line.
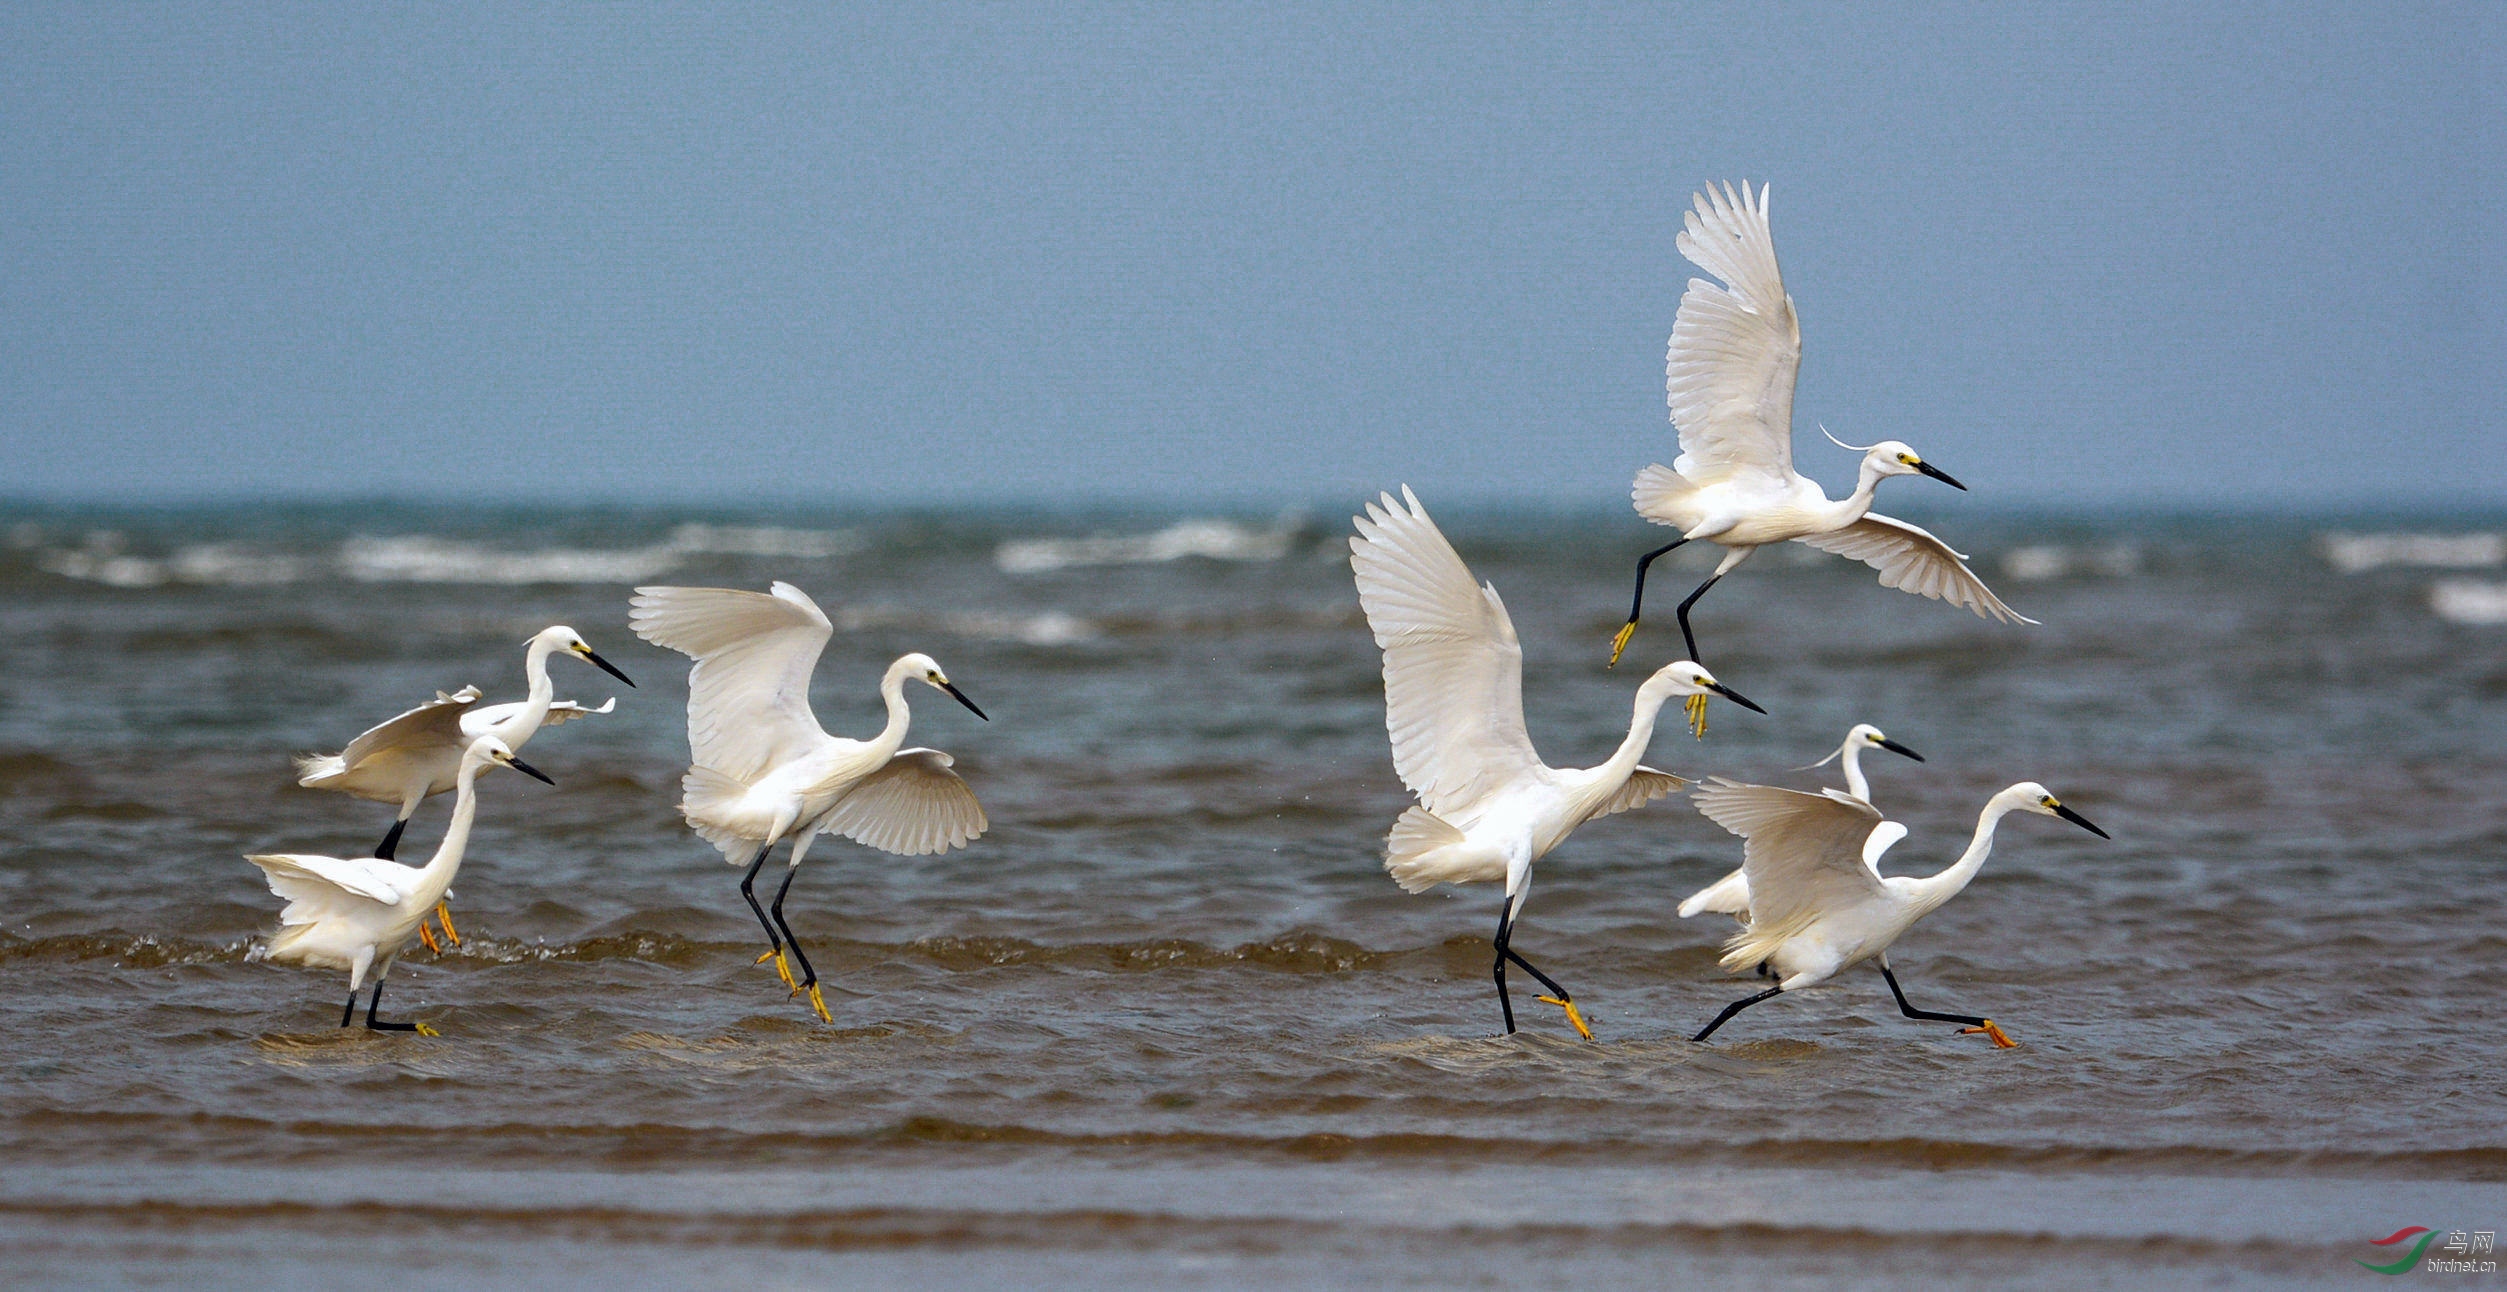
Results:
<point x="1214" y="540"/>
<point x="102" y="557"/>
<point x="2469" y="601"/>
<point x="2040" y="562"/>
<point x="2358" y="553"/>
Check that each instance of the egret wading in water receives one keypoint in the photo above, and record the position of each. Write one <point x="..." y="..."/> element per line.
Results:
<point x="358" y="913"/>
<point x="1728" y="377"/>
<point x="416" y="755"/>
<point x="1453" y="705"/>
<point x="1730" y="895"/>
<point x="763" y="770"/>
<point x="1816" y="905"/>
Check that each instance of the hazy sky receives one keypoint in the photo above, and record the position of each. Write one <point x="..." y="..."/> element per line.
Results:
<point x="2160" y="254"/>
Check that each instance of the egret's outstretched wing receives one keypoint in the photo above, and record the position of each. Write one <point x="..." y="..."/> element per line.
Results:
<point x="1729" y="895"/>
<point x="1644" y="786"/>
<point x="749" y="694"/>
<point x="1453" y="671"/>
<point x="916" y="804"/>
<point x="435" y="724"/>
<point x="1909" y="557"/>
<point x="315" y="882"/>
<point x="1734" y="349"/>
<point x="559" y="713"/>
<point x="1802" y="857"/>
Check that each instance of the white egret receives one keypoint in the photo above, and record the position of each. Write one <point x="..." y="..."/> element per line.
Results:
<point x="1730" y="895"/>
<point x="1453" y="705"/>
<point x="358" y="913"/>
<point x="763" y="770"/>
<point x="1817" y="907"/>
<point x="409" y="758"/>
<point x="1728" y="377"/>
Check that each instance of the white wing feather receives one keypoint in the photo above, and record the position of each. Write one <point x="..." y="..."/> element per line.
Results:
<point x="749" y="693"/>
<point x="314" y="885"/>
<point x="1644" y="786"/>
<point x="559" y="713"/>
<point x="1802" y="857"/>
<point x="1909" y="557"/>
<point x="1728" y="373"/>
<point x="1453" y="669"/>
<point x="434" y="725"/>
<point x="914" y="805"/>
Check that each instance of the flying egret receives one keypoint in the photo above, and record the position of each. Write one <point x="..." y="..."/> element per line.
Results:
<point x="1453" y="704"/>
<point x="1728" y="377"/>
<point x="1817" y="906"/>
<point x="358" y="913"/>
<point x="1730" y="895"/>
<point x="416" y="755"/>
<point x="763" y="770"/>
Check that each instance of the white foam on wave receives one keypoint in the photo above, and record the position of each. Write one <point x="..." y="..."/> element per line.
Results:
<point x="1214" y="540"/>
<point x="2356" y="553"/>
<point x="426" y="558"/>
<point x="1047" y="628"/>
<point x="2469" y="601"/>
<point x="2042" y="561"/>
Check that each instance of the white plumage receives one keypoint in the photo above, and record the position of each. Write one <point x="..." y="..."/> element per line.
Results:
<point x="1728" y="378"/>
<point x="762" y="769"/>
<point x="1730" y="895"/>
<point x="1453" y="707"/>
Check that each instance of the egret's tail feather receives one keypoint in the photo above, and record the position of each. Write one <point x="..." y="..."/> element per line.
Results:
<point x="315" y="767"/>
<point x="1662" y="495"/>
<point x="1756" y="943"/>
<point x="706" y="799"/>
<point x="1411" y="850"/>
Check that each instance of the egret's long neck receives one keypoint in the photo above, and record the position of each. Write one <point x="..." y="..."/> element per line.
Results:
<point x="535" y="667"/>
<point x="1851" y="754"/>
<point x="1932" y="890"/>
<point x="892" y="691"/>
<point x="1851" y="508"/>
<point x="437" y="874"/>
<point x="1615" y="770"/>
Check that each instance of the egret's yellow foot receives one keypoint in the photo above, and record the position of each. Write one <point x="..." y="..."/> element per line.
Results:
<point x="783" y="968"/>
<point x="1697" y="716"/>
<point x="424" y="1030"/>
<point x="1574" y="1015"/>
<point x="2001" y="1039"/>
<point x="819" y="1004"/>
<point x="1619" y="643"/>
<point x="445" y="913"/>
<point x="426" y="934"/>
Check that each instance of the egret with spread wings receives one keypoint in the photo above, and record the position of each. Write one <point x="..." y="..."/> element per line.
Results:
<point x="763" y="770"/>
<point x="412" y="757"/>
<point x="1729" y="379"/>
<point x="1453" y="704"/>
<point x="1818" y="907"/>
<point x="1730" y="895"/>
<point x="357" y="913"/>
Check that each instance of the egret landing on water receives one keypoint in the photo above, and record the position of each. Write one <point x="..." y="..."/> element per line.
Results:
<point x="416" y="755"/>
<point x="764" y="770"/>
<point x="1730" y="895"/>
<point x="358" y="913"/>
<point x="1816" y="904"/>
<point x="1453" y="704"/>
<point x="1729" y="379"/>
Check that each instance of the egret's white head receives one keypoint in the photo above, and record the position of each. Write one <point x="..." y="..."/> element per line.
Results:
<point x="489" y="749"/>
<point x="2033" y="797"/>
<point x="1683" y="677"/>
<point x="923" y="668"/>
<point x="558" y="637"/>
<point x="1895" y="458"/>
<point x="1867" y="736"/>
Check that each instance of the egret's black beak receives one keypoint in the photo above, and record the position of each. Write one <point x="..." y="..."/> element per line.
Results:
<point x="960" y="697"/>
<point x="1735" y="696"/>
<point x="1938" y="474"/>
<point x="2079" y="820"/>
<point x="1896" y="748"/>
<point x="528" y="770"/>
<point x="605" y="666"/>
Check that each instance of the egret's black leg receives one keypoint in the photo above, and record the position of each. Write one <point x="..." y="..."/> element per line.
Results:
<point x="1686" y="637"/>
<point x="391" y="839"/>
<point x="1911" y="1012"/>
<point x="748" y="890"/>
<point x="1735" y="1008"/>
<point x="1546" y="981"/>
<point x="792" y="942"/>
<point x="374" y="1003"/>
<point x="1636" y="604"/>
<point x="349" y="1015"/>
<point x="1505" y="918"/>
